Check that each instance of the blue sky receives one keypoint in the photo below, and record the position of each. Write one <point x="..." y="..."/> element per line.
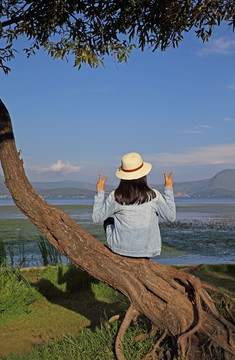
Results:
<point x="176" y="108"/>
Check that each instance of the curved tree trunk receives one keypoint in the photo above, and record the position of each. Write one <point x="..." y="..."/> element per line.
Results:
<point x="174" y="301"/>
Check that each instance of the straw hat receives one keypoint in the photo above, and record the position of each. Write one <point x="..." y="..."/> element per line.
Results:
<point x="133" y="167"/>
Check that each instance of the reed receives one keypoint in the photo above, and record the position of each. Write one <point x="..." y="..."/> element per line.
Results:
<point x="50" y="255"/>
<point x="22" y="260"/>
<point x="11" y="255"/>
<point x="3" y="255"/>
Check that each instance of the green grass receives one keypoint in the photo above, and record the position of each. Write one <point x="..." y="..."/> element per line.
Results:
<point x="95" y="345"/>
<point x="66" y="301"/>
<point x="61" y="313"/>
<point x="61" y="280"/>
<point x="16" y="293"/>
<point x="219" y="275"/>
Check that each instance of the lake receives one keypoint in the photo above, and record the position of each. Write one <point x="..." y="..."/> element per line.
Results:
<point x="203" y="232"/>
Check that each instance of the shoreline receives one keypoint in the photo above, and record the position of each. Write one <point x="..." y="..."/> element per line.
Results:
<point x="28" y="268"/>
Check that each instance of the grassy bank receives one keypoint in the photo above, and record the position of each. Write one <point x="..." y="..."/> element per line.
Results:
<point x="61" y="313"/>
<point x="40" y="305"/>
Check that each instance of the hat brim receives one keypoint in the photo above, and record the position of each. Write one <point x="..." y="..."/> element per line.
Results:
<point x="133" y="175"/>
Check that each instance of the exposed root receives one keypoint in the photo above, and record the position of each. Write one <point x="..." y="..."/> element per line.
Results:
<point x="204" y="348"/>
<point x="210" y="303"/>
<point x="200" y="292"/>
<point x="135" y="318"/>
<point x="114" y="318"/>
<point x="169" y="279"/>
<point x="185" y="338"/>
<point x="152" y="355"/>
<point x="227" y="356"/>
<point x="131" y="314"/>
<point x="207" y="299"/>
<point x="231" y="311"/>
<point x="191" y="268"/>
<point x="214" y="289"/>
<point x="151" y="334"/>
<point x="189" y="346"/>
<point x="215" y="339"/>
<point x="194" y="290"/>
<point x="210" y="349"/>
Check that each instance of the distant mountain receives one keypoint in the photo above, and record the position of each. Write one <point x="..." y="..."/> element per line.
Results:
<point x="220" y="185"/>
<point x="67" y="184"/>
<point x="66" y="193"/>
<point x="63" y="184"/>
<point x="223" y="180"/>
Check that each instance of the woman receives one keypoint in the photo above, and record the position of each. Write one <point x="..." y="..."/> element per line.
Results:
<point x="133" y="229"/>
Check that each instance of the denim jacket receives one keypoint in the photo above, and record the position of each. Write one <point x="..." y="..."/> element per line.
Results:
<point x="135" y="231"/>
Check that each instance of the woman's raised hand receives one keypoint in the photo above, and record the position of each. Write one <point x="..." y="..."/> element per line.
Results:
<point x="100" y="183"/>
<point x="168" y="180"/>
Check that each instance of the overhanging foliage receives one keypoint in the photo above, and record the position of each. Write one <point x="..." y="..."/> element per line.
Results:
<point x="88" y="30"/>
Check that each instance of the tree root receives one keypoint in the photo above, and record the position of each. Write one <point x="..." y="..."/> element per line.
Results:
<point x="207" y="299"/>
<point x="214" y="289"/>
<point x="114" y="318"/>
<point x="151" y="334"/>
<point x="191" y="268"/>
<point x="182" y="340"/>
<point x="131" y="314"/>
<point x="191" y="287"/>
<point x="230" y="308"/>
<point x="152" y="354"/>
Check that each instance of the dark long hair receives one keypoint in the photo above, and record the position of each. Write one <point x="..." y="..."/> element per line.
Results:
<point x="131" y="192"/>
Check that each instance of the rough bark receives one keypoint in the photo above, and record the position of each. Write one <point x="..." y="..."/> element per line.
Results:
<point x="172" y="300"/>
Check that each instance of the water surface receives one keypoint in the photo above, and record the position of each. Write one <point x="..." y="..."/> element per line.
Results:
<point x="204" y="231"/>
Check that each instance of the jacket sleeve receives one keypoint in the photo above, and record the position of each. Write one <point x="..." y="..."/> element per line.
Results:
<point x="165" y="204"/>
<point x="102" y="209"/>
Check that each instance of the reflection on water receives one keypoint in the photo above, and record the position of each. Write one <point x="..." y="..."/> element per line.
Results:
<point x="203" y="233"/>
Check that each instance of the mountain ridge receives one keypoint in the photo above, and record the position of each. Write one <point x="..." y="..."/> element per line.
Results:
<point x="220" y="185"/>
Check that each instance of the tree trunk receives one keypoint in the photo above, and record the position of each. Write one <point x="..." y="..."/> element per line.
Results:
<point x="173" y="300"/>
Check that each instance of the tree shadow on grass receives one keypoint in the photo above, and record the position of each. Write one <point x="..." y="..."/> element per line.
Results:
<point x="220" y="275"/>
<point x="77" y="291"/>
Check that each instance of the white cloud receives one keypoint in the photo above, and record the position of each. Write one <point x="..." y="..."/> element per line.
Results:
<point x="58" y="167"/>
<point x="204" y="126"/>
<point x="197" y="129"/>
<point x="222" y="45"/>
<point x="229" y="119"/>
<point x="208" y="155"/>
